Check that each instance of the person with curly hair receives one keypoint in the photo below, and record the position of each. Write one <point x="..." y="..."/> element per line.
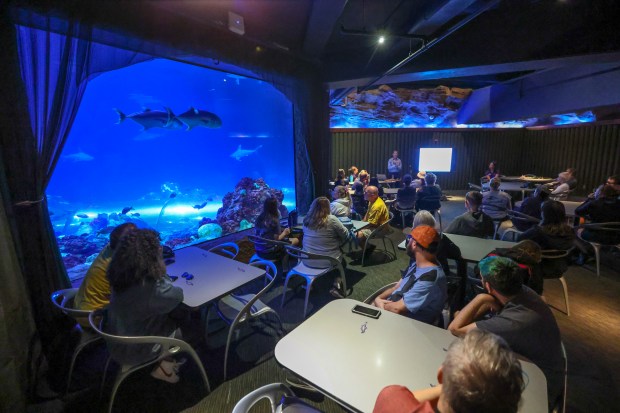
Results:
<point x="144" y="302"/>
<point x="267" y="226"/>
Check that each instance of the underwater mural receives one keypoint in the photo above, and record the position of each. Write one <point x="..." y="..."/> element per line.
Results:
<point x="385" y="107"/>
<point x="187" y="151"/>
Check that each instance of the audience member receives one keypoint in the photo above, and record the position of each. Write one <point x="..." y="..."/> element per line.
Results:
<point x="376" y="216"/>
<point x="521" y="318"/>
<point x="613" y="180"/>
<point x="352" y="174"/>
<point x="94" y="292"/>
<point x="341" y="204"/>
<point x="491" y="172"/>
<point x="394" y="166"/>
<point x="605" y="208"/>
<point x="531" y="207"/>
<point x="267" y="226"/>
<point x="363" y="177"/>
<point x="144" y="302"/>
<point x="479" y="375"/>
<point x="527" y="254"/>
<point x="405" y="198"/>
<point x="422" y="292"/>
<point x="341" y="178"/>
<point x="360" y="205"/>
<point x="473" y="223"/>
<point x="429" y="196"/>
<point x="572" y="179"/>
<point x="374" y="181"/>
<point x="324" y="234"/>
<point x="560" y="186"/>
<point x="496" y="203"/>
<point x="420" y="181"/>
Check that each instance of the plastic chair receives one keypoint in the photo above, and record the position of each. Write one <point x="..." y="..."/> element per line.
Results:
<point x="560" y="404"/>
<point x="521" y="217"/>
<point x="63" y="300"/>
<point x="275" y="393"/>
<point x="371" y="298"/>
<point x="168" y="347"/>
<point x="265" y="244"/>
<point x="229" y="249"/>
<point x="236" y="309"/>
<point x="607" y="227"/>
<point x="310" y="274"/>
<point x="557" y="256"/>
<point x="381" y="232"/>
<point x="403" y="211"/>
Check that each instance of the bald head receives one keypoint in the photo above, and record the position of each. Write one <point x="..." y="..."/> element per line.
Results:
<point x="371" y="193"/>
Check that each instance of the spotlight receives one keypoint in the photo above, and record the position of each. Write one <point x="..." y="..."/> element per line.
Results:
<point x="381" y="39"/>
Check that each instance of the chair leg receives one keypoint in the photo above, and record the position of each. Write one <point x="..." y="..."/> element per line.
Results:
<point x="597" y="254"/>
<point x="119" y="379"/>
<point x="308" y="286"/>
<point x="284" y="289"/>
<point x="105" y="372"/>
<point x="364" y="252"/>
<point x="402" y="216"/>
<point x="565" y="288"/>
<point x="233" y="327"/>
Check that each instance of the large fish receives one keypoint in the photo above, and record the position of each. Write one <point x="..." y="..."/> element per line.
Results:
<point x="79" y="157"/>
<point x="148" y="118"/>
<point x="242" y="153"/>
<point x="196" y="117"/>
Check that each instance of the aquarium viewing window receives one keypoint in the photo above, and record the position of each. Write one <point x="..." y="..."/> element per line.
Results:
<point x="435" y="159"/>
<point x="187" y="151"/>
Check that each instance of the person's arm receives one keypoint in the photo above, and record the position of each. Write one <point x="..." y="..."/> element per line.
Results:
<point x="341" y="231"/>
<point x="381" y="299"/>
<point x="429" y="394"/>
<point x="397" y="307"/>
<point x="285" y="233"/>
<point x="584" y="209"/>
<point x="165" y="296"/>
<point x="464" y="321"/>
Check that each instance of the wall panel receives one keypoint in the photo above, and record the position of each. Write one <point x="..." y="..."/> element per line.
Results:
<point x="593" y="150"/>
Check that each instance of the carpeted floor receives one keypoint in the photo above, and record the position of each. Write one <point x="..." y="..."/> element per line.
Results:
<point x="591" y="336"/>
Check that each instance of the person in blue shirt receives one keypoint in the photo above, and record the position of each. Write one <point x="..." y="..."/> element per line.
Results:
<point x="422" y="292"/>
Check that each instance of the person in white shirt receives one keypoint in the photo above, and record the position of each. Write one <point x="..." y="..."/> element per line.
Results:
<point x="395" y="166"/>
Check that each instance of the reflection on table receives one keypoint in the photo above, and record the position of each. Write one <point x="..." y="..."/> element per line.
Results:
<point x="214" y="275"/>
<point x="351" y="357"/>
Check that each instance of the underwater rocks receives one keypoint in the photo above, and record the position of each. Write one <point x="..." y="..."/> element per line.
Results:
<point x="75" y="245"/>
<point x="245" y="203"/>
<point x="209" y="231"/>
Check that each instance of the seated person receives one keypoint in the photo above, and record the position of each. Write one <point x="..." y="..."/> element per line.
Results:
<point x="144" y="302"/>
<point x="613" y="180"/>
<point x="480" y="374"/>
<point x="405" y="198"/>
<point x="324" y="234"/>
<point x="428" y="194"/>
<point x="341" y="178"/>
<point x="491" y="172"/>
<point x="420" y="182"/>
<point x="527" y="255"/>
<point x="422" y="292"/>
<point x="94" y="292"/>
<point x="561" y="186"/>
<point x="267" y="226"/>
<point x="341" y="204"/>
<point x="521" y="318"/>
<point x="376" y="216"/>
<point x="572" y="179"/>
<point x="363" y="177"/>
<point x="375" y="182"/>
<point x="531" y="207"/>
<point x="360" y="205"/>
<point x="605" y="208"/>
<point x="473" y="223"/>
<point x="496" y="203"/>
<point x="352" y="174"/>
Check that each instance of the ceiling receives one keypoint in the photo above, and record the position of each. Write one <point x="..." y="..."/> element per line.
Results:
<point x="456" y="43"/>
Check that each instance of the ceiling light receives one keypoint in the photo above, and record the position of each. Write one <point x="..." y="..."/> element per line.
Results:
<point x="381" y="39"/>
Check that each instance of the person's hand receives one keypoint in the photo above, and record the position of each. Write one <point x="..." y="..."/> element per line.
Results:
<point x="380" y="303"/>
<point x="286" y="231"/>
<point x="488" y="301"/>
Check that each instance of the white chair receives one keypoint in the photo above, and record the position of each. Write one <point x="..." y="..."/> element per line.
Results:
<point x="557" y="256"/>
<point x="236" y="309"/>
<point x="229" y="249"/>
<point x="279" y="396"/>
<point x="608" y="227"/>
<point x="516" y="216"/>
<point x="560" y="405"/>
<point x="381" y="232"/>
<point x="265" y="244"/>
<point x="371" y="298"/>
<point x="167" y="346"/>
<point x="63" y="300"/>
<point x="310" y="274"/>
<point x="403" y="211"/>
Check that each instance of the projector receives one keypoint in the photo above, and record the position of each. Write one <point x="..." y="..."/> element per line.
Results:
<point x="235" y="23"/>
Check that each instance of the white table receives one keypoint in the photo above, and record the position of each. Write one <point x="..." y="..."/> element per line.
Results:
<point x="214" y="275"/>
<point x="357" y="225"/>
<point x="390" y="191"/>
<point x="538" y="180"/>
<point x="350" y="357"/>
<point x="473" y="249"/>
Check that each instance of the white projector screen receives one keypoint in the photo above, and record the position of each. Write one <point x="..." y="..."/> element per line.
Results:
<point x="435" y="159"/>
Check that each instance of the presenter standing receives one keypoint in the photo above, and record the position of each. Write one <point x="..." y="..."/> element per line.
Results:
<point x="395" y="166"/>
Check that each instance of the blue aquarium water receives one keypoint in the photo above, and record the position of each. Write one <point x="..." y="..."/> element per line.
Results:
<point x="188" y="151"/>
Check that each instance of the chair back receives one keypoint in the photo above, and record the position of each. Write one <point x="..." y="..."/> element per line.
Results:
<point x="521" y="217"/>
<point x="270" y="274"/>
<point x="383" y="229"/>
<point x="63" y="300"/>
<point x="273" y="392"/>
<point x="554" y="263"/>
<point x="371" y="298"/>
<point x="302" y="255"/>
<point x="229" y="249"/>
<point x="381" y="177"/>
<point x="431" y="203"/>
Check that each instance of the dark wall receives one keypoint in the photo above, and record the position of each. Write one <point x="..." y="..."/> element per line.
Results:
<point x="593" y="150"/>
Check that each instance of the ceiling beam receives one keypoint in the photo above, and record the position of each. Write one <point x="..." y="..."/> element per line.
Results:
<point x="531" y="65"/>
<point x="324" y="16"/>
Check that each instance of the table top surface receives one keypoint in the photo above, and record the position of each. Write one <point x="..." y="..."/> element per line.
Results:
<point x="390" y="191"/>
<point x="538" y="179"/>
<point x="515" y="186"/>
<point x="351" y="357"/>
<point x="357" y="225"/>
<point x="214" y="275"/>
<point x="473" y="249"/>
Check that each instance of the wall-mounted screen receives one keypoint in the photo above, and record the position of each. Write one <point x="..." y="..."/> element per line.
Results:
<point x="435" y="159"/>
<point x="187" y="151"/>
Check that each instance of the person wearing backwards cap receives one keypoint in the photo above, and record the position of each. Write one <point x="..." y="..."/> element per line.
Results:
<point x="422" y="291"/>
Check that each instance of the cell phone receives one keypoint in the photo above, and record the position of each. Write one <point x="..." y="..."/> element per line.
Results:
<point x="368" y="312"/>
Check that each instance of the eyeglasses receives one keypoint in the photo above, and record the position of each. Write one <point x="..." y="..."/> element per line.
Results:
<point x="408" y="239"/>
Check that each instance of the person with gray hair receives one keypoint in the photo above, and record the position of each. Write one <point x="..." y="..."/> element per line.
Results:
<point x="496" y="203"/>
<point x="520" y="317"/>
<point x="341" y="203"/>
<point x="480" y="374"/>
